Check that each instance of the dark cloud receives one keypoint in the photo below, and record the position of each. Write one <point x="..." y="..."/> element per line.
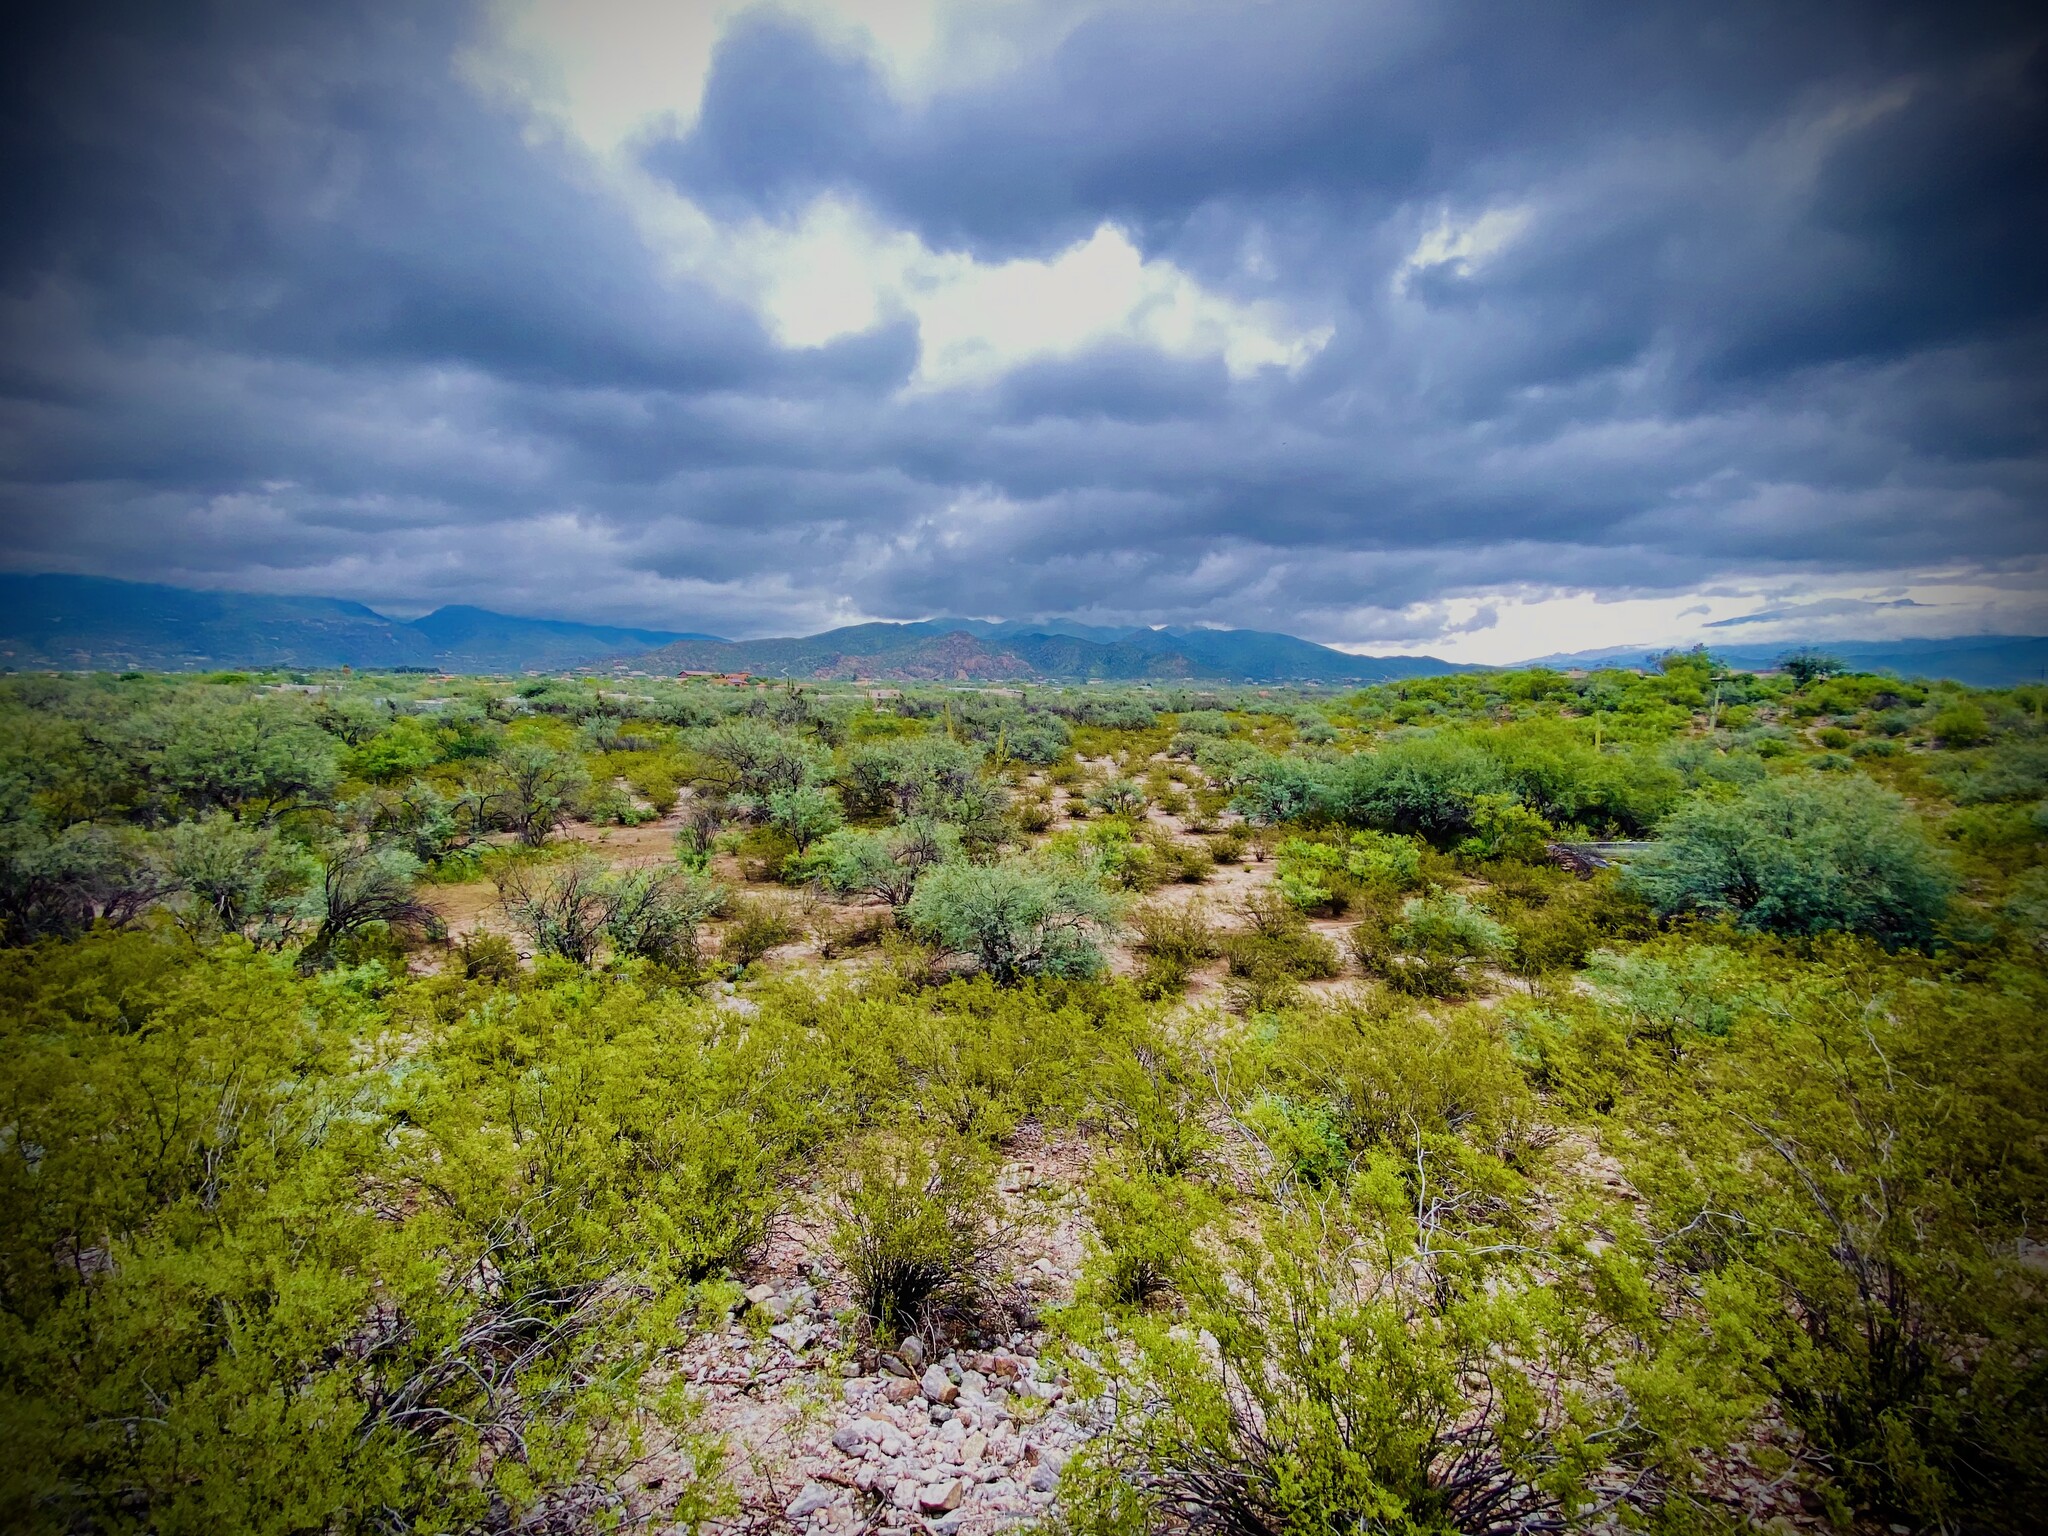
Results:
<point x="286" y="301"/>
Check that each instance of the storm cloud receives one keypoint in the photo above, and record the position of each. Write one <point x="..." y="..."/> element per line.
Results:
<point x="1374" y="323"/>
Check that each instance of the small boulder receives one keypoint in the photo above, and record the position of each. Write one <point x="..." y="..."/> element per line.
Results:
<point x="936" y="1498"/>
<point x="912" y="1351"/>
<point x="900" y="1389"/>
<point x="937" y="1386"/>
<point x="815" y="1496"/>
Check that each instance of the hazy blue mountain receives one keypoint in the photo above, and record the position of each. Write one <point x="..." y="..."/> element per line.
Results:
<point x="86" y="622"/>
<point x="1982" y="661"/>
<point x="478" y="640"/>
<point x="975" y="650"/>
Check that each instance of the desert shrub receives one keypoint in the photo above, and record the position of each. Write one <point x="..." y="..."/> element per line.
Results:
<point x="749" y="757"/>
<point x="916" y="776"/>
<point x="803" y="814"/>
<point x="655" y="913"/>
<point x="1303" y="1138"/>
<point x="1227" y="846"/>
<point x="561" y="909"/>
<point x="1273" y="954"/>
<point x="855" y="930"/>
<point x="1330" y="875"/>
<point x="1155" y="1104"/>
<point x="884" y="864"/>
<point x="1315" y="1386"/>
<point x="1961" y="724"/>
<point x="363" y="886"/>
<point x="1435" y="946"/>
<point x="755" y="927"/>
<point x="1800" y="858"/>
<point x="612" y="805"/>
<point x="1578" y="918"/>
<point x="1864" y="1157"/>
<point x="915" y="1228"/>
<point x="716" y="1190"/>
<point x="1504" y="828"/>
<point x="227" y="876"/>
<point x="1144" y="1227"/>
<point x="485" y="956"/>
<point x="1425" y="786"/>
<point x="1119" y="797"/>
<point x="531" y="788"/>
<point x="1171" y="939"/>
<point x="1015" y="919"/>
<point x="764" y="852"/>
<point x="1380" y="1076"/>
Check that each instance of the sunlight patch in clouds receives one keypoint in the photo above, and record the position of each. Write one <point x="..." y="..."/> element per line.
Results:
<point x="834" y="270"/>
<point x="1464" y="247"/>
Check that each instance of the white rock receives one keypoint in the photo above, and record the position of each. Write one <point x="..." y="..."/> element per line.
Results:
<point x="973" y="1448"/>
<point x="941" y="1496"/>
<point x="814" y="1497"/>
<point x="937" y="1387"/>
<point x="905" y="1495"/>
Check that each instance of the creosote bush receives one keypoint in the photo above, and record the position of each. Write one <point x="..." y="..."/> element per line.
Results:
<point x="916" y="1228"/>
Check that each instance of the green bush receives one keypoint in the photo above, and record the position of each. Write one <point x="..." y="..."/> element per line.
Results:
<point x="916" y="1229"/>
<point x="1145" y="1227"/>
<point x="1866" y="1156"/>
<point x="1273" y="953"/>
<point x="1015" y="919"/>
<point x="755" y="928"/>
<point x="1435" y="946"/>
<point x="1314" y="1385"/>
<point x="1799" y="858"/>
<point x="1171" y="940"/>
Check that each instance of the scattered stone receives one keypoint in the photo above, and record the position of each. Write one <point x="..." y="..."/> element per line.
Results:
<point x="814" y="1497"/>
<point x="973" y="1448"/>
<point x="898" y="1389"/>
<point x="797" y="1335"/>
<point x="939" y="1497"/>
<point x="912" y="1351"/>
<point x="1045" y="1476"/>
<point x="905" y="1495"/>
<point x="760" y="1295"/>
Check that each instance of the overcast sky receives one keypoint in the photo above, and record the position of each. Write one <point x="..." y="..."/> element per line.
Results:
<point x="1480" y="329"/>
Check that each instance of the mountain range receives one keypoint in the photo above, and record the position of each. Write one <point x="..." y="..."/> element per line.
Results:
<point x="1982" y="661"/>
<point x="978" y="650"/>
<point x="90" y="623"/>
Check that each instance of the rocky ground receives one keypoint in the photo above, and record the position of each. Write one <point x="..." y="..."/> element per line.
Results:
<point x="967" y="1432"/>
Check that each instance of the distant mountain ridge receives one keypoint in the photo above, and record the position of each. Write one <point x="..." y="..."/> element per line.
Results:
<point x="87" y="622"/>
<point x="91" y="623"/>
<point x="1982" y="661"/>
<point x="979" y="650"/>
